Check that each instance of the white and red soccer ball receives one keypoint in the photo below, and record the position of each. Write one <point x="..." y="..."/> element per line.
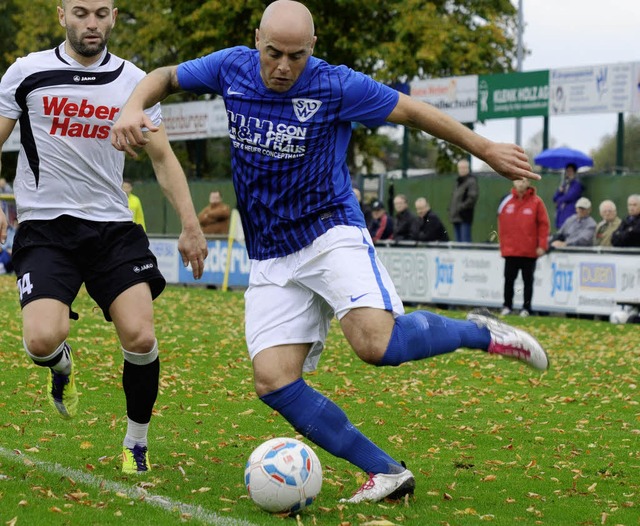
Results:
<point x="283" y="475"/>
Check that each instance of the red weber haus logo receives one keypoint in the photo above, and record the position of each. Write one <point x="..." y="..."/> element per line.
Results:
<point x="62" y="111"/>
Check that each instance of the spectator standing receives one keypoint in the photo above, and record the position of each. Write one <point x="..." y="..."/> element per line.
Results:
<point x="427" y="226"/>
<point x="577" y="231"/>
<point x="628" y="233"/>
<point x="463" y="202"/>
<point x="610" y="222"/>
<point x="75" y="226"/>
<point x="134" y="203"/>
<point x="381" y="226"/>
<point x="403" y="220"/>
<point x="523" y="229"/>
<point x="312" y="258"/>
<point x="567" y="195"/>
<point x="215" y="217"/>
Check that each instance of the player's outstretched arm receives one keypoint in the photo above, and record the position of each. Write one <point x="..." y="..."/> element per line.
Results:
<point x="509" y="160"/>
<point x="127" y="131"/>
<point x="192" y="243"/>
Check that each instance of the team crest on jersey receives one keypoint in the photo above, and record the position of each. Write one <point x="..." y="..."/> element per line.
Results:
<point x="305" y="108"/>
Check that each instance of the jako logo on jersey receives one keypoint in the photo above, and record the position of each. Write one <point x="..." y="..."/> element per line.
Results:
<point x="63" y="110"/>
<point x="305" y="108"/>
<point x="138" y="269"/>
<point x="78" y="78"/>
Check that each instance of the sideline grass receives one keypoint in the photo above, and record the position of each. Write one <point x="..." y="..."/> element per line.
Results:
<point x="488" y="439"/>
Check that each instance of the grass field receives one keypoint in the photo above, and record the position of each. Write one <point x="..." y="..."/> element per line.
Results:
<point x="489" y="440"/>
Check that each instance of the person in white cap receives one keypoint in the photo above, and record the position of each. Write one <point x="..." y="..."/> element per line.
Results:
<point x="578" y="230"/>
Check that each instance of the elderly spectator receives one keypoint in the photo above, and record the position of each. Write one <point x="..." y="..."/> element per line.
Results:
<point x="381" y="224"/>
<point x="403" y="220"/>
<point x="427" y="226"/>
<point x="578" y="230"/>
<point x="567" y="195"/>
<point x="610" y="222"/>
<point x="628" y="233"/>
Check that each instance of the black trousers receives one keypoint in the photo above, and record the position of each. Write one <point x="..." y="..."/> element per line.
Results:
<point x="512" y="265"/>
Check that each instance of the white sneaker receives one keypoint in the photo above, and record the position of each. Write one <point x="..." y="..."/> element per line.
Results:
<point x="511" y="342"/>
<point x="384" y="486"/>
<point x="505" y="311"/>
<point x="524" y="313"/>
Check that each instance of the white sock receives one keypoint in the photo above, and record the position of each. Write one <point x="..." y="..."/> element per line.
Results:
<point x="136" y="434"/>
<point x="63" y="366"/>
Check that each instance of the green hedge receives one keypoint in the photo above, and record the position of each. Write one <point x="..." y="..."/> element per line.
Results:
<point x="161" y="219"/>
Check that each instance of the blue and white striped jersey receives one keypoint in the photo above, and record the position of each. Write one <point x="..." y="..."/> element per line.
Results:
<point x="66" y="163"/>
<point x="289" y="150"/>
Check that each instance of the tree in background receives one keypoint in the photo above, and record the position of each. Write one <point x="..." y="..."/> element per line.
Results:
<point x="604" y="157"/>
<point x="394" y="41"/>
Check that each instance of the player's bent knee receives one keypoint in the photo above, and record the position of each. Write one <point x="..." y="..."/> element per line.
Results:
<point x="139" y="343"/>
<point x="43" y="343"/>
<point x="370" y="353"/>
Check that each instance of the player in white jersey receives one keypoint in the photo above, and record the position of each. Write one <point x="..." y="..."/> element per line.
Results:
<point x="75" y="226"/>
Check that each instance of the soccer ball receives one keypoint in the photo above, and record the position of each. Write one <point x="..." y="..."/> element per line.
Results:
<point x="622" y="316"/>
<point x="283" y="475"/>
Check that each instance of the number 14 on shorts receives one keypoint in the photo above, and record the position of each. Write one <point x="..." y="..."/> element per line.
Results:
<point x="24" y="285"/>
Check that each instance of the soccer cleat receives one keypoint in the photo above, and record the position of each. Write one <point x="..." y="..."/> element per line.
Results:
<point x="384" y="486"/>
<point x="135" y="459"/>
<point x="509" y="341"/>
<point x="505" y="311"/>
<point x="61" y="391"/>
<point x="524" y="313"/>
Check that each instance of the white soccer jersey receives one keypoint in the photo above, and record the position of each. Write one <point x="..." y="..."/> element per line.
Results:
<point x="66" y="163"/>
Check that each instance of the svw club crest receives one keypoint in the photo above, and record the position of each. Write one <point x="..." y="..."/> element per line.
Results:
<point x="305" y="108"/>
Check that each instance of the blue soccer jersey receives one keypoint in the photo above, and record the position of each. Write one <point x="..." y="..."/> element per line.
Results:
<point x="289" y="150"/>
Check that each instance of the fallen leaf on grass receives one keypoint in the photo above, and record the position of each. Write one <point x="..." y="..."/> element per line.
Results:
<point x="200" y="490"/>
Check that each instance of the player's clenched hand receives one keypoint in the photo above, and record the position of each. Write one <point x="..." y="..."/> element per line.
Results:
<point x="127" y="132"/>
<point x="510" y="161"/>
<point x="193" y="249"/>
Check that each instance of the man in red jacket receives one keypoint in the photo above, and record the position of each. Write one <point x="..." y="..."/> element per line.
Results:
<point x="523" y="227"/>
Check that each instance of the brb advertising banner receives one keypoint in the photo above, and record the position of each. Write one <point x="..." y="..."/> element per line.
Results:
<point x="579" y="282"/>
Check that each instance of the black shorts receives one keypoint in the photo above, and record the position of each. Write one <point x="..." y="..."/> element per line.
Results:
<point x="53" y="258"/>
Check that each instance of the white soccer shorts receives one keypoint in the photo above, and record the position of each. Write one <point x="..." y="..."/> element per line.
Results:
<point x="292" y="299"/>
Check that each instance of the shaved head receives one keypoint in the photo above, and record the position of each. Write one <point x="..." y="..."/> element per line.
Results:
<point x="287" y="16"/>
<point x="285" y="40"/>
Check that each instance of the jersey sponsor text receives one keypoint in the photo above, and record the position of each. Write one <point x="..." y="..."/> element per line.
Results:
<point x="63" y="110"/>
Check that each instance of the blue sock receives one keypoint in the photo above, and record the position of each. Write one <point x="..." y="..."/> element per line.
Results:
<point x="325" y="424"/>
<point x="422" y="334"/>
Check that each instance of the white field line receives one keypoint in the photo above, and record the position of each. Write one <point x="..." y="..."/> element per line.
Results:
<point x="133" y="492"/>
